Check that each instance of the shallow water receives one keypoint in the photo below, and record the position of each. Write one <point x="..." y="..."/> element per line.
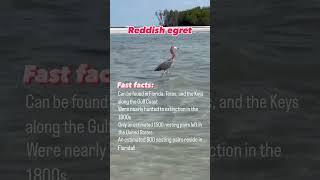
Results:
<point x="133" y="58"/>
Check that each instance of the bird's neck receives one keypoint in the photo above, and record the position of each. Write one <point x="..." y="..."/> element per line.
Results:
<point x="173" y="57"/>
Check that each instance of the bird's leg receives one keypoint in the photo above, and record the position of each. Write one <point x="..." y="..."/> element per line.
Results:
<point x="163" y="73"/>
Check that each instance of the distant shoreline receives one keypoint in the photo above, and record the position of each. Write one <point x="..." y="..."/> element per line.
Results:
<point x="123" y="30"/>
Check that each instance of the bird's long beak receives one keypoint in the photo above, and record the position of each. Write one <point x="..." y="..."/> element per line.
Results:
<point x="176" y="47"/>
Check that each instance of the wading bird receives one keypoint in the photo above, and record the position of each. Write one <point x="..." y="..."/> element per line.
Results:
<point x="167" y="64"/>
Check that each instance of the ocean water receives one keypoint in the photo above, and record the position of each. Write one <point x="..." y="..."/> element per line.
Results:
<point x="133" y="58"/>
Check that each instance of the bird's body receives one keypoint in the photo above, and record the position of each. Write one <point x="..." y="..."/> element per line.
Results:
<point x="167" y="64"/>
<point x="164" y="66"/>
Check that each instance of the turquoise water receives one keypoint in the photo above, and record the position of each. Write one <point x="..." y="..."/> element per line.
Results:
<point x="133" y="58"/>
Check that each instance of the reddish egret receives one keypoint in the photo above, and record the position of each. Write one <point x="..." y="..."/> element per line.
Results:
<point x="167" y="64"/>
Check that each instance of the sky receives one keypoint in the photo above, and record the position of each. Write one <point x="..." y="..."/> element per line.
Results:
<point x="141" y="12"/>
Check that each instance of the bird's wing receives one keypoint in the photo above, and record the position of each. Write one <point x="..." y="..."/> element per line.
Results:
<point x="164" y="66"/>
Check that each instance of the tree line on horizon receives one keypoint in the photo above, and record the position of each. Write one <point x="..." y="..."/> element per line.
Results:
<point x="198" y="16"/>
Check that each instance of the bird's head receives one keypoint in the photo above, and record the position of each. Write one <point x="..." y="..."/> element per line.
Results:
<point x="173" y="50"/>
<point x="174" y="47"/>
